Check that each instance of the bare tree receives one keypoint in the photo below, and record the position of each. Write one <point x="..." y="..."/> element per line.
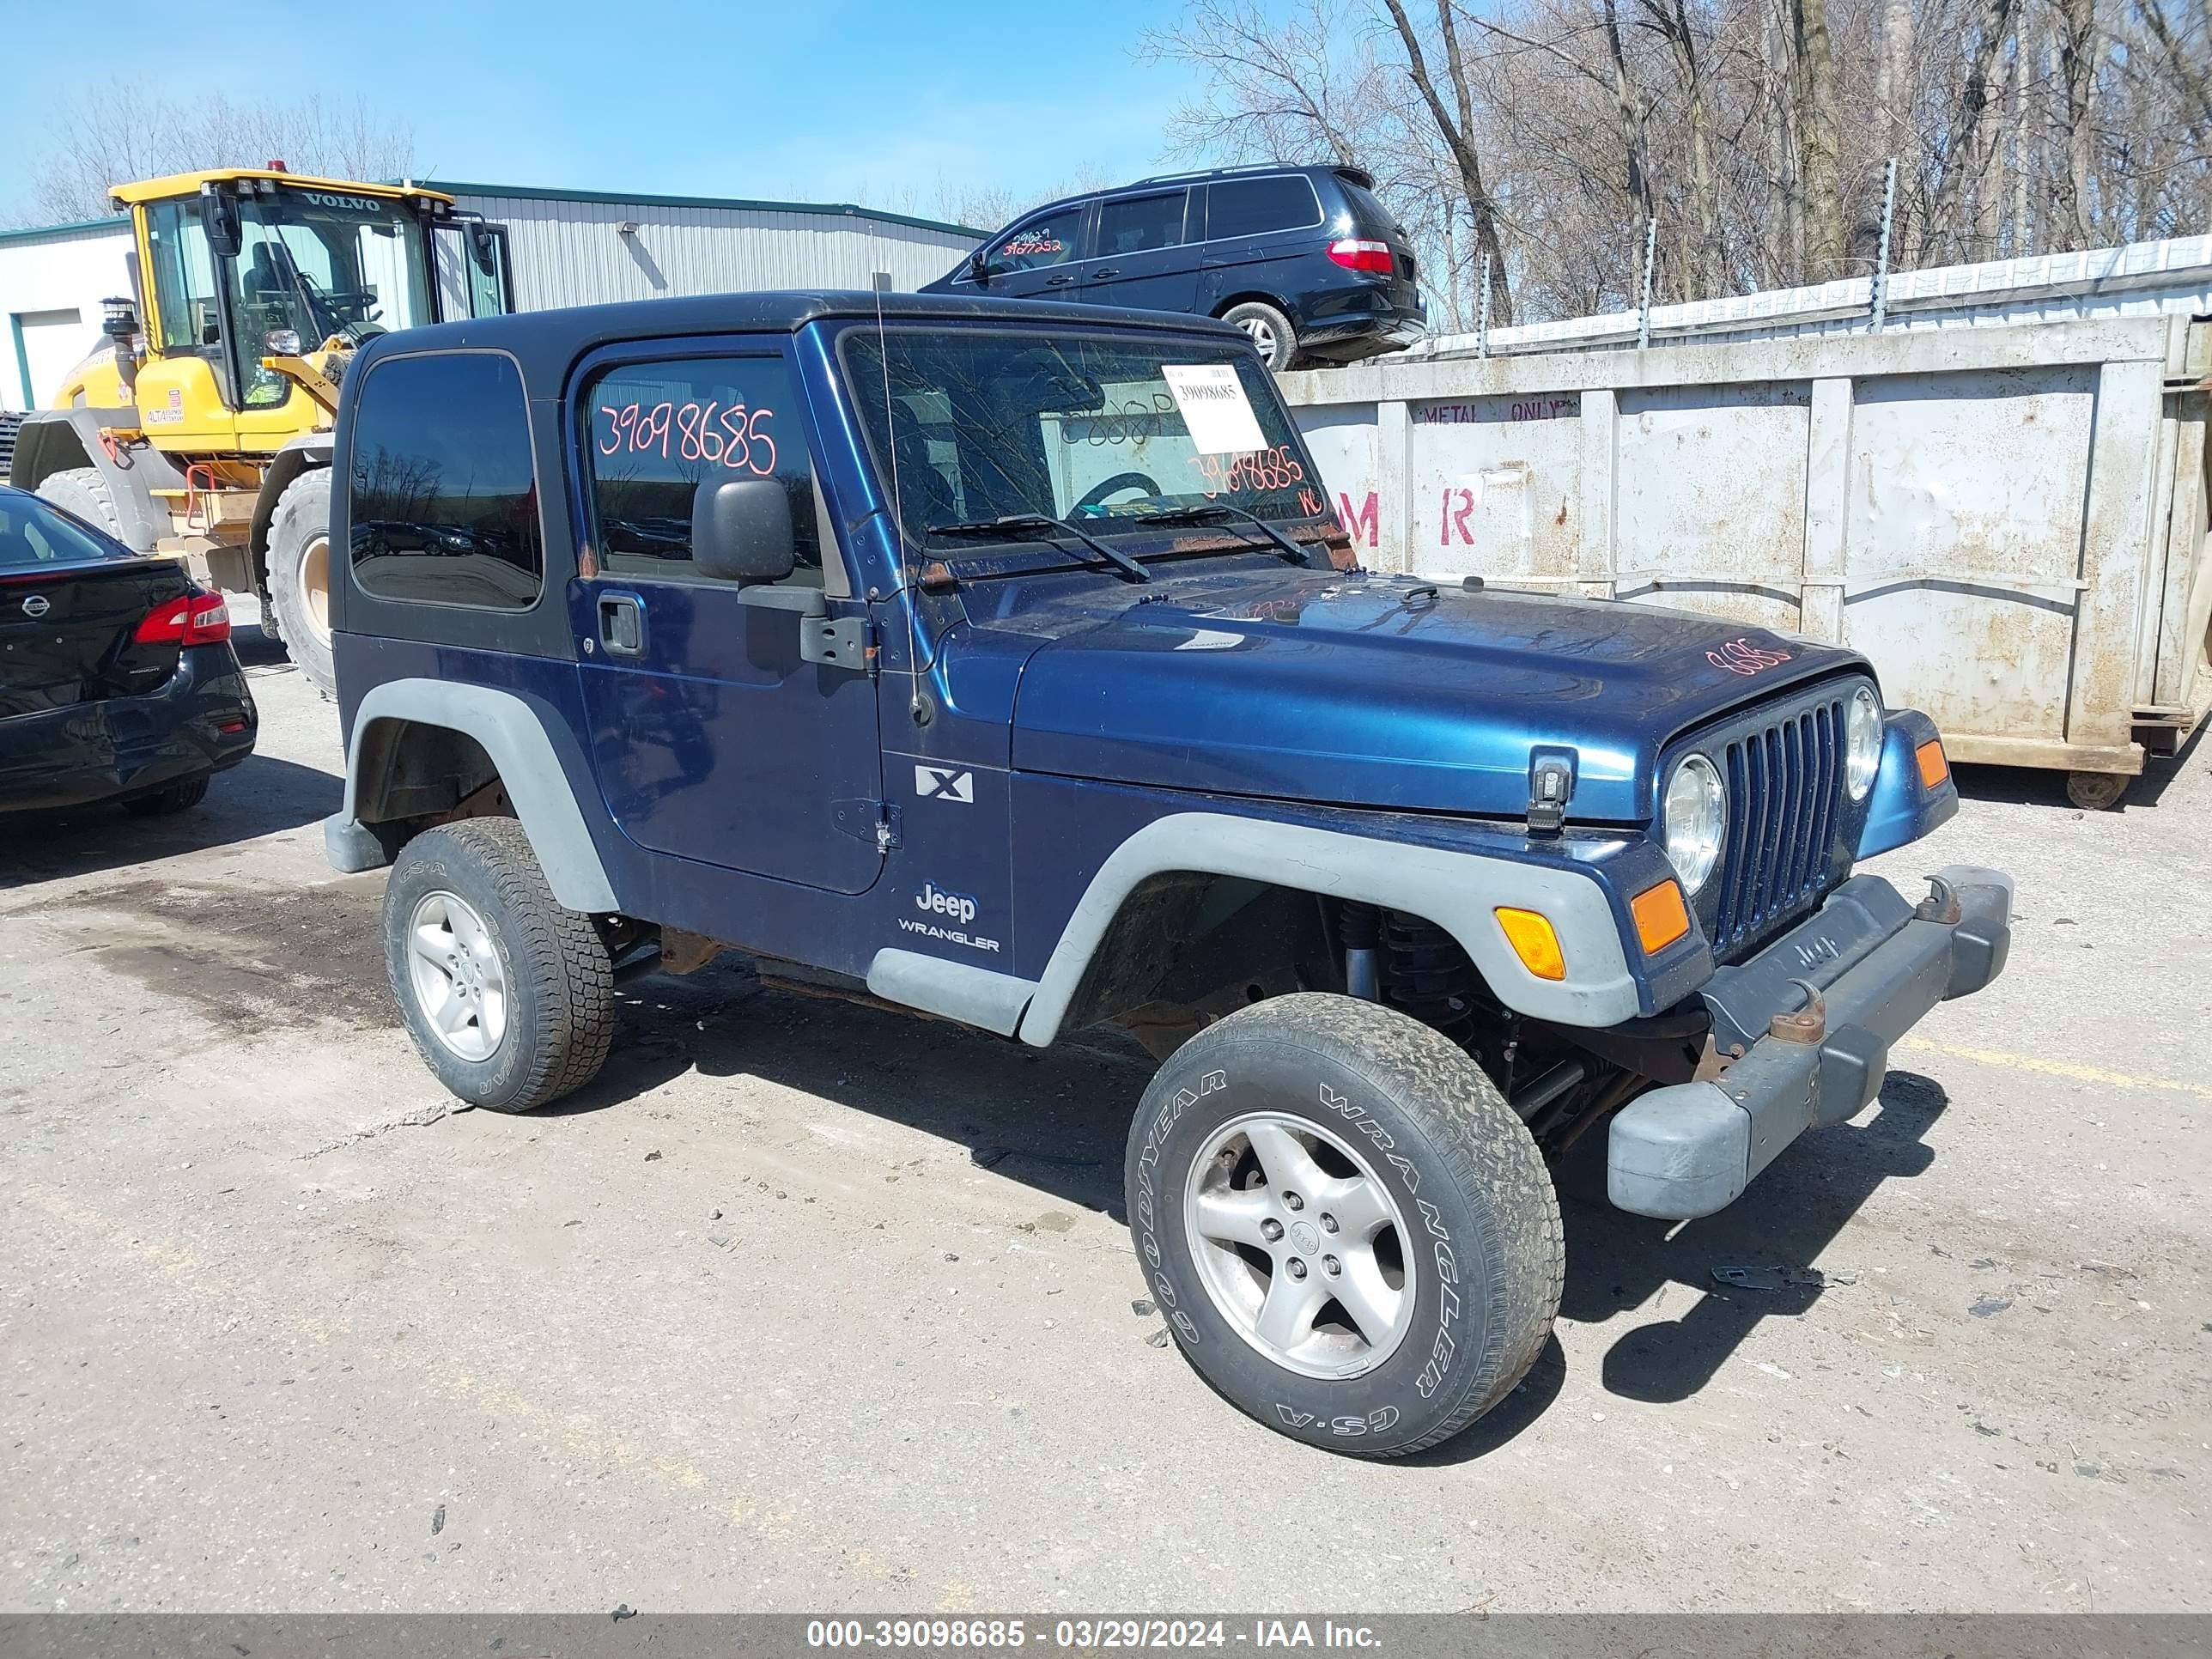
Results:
<point x="121" y="134"/>
<point x="1755" y="133"/>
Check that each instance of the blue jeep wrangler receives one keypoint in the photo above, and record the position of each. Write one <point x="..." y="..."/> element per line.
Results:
<point x="1004" y="662"/>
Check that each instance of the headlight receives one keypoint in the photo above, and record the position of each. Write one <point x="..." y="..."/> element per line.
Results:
<point x="1861" y="742"/>
<point x="1695" y="820"/>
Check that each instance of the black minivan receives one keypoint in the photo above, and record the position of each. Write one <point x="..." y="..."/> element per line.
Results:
<point x="1305" y="260"/>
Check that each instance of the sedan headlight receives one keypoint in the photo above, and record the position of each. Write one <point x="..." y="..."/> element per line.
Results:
<point x="1861" y="742"/>
<point x="1694" y="821"/>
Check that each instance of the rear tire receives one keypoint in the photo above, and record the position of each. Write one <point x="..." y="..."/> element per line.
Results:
<point x="82" y="491"/>
<point x="1419" y="1269"/>
<point x="1268" y="329"/>
<point x="179" y="797"/>
<point x="509" y="997"/>
<point x="300" y="572"/>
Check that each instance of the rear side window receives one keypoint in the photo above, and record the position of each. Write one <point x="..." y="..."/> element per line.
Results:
<point x="1368" y="212"/>
<point x="1130" y="224"/>
<point x="444" y="491"/>
<point x="659" y="430"/>
<point x="1051" y="239"/>
<point x="33" y="535"/>
<point x="1247" y="207"/>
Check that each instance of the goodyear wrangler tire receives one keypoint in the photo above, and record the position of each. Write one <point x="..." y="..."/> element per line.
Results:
<point x="1352" y="1237"/>
<point x="509" y="997"/>
<point x="300" y="572"/>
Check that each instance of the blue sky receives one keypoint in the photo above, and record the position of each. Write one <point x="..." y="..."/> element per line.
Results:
<point x="828" y="100"/>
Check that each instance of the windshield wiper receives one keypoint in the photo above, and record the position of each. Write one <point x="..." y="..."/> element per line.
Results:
<point x="1015" y="524"/>
<point x="1212" y="510"/>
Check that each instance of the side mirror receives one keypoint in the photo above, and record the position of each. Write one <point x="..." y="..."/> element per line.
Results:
<point x="741" y="531"/>
<point x="219" y="213"/>
<point x="979" y="268"/>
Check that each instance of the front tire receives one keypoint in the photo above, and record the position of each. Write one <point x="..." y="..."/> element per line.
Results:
<point x="509" y="997"/>
<point x="300" y="572"/>
<point x="1354" y="1239"/>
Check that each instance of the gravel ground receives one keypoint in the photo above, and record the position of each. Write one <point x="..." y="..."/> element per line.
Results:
<point x="809" y="1306"/>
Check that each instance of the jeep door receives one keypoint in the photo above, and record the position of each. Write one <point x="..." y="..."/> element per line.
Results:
<point x="1142" y="255"/>
<point x="714" y="738"/>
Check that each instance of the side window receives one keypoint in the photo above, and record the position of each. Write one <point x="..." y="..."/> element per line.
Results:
<point x="1051" y="239"/>
<point x="443" y="492"/>
<point x="1250" y="207"/>
<point x="657" y="429"/>
<point x="1130" y="224"/>
<point x="184" y="278"/>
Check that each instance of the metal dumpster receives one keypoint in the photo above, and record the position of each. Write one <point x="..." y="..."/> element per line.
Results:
<point x="2009" y="521"/>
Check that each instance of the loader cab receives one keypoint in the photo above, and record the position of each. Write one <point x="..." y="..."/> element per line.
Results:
<point x="240" y="270"/>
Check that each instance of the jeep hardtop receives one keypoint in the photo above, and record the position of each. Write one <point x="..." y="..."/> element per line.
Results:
<point x="1006" y="662"/>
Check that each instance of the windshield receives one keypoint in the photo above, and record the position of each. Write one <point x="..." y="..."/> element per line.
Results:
<point x="1102" y="429"/>
<point x="32" y="535"/>
<point x="322" y="264"/>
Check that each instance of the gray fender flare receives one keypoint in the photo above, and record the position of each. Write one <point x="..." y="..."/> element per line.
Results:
<point x="528" y="767"/>
<point x="52" y="440"/>
<point x="1458" y="891"/>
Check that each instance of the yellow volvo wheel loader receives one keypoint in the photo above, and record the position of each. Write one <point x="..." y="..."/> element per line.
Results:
<point x="203" y="429"/>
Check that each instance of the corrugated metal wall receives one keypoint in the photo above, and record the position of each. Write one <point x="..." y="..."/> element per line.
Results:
<point x="569" y="252"/>
<point x="566" y="251"/>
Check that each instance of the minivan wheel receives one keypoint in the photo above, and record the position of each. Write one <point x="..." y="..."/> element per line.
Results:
<point x="301" y="571"/>
<point x="1352" y="1237"/>
<point x="509" y="997"/>
<point x="1269" y="329"/>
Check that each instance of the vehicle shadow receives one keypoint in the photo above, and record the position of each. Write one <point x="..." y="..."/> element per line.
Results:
<point x="258" y="796"/>
<point x="1781" y="1224"/>
<point x="1057" y="1120"/>
<point x="1053" y="1118"/>
<point x="2024" y="785"/>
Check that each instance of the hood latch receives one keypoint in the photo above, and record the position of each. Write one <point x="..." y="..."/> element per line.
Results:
<point x="1550" y="787"/>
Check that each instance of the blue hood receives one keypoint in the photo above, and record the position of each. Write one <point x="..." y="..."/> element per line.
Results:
<point x="1388" y="693"/>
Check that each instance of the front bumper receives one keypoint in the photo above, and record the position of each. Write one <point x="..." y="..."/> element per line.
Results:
<point x="1877" y="963"/>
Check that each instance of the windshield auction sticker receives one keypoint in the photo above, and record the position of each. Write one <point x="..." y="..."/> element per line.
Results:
<point x="1214" y="408"/>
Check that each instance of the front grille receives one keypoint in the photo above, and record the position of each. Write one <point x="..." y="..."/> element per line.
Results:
<point x="1784" y="772"/>
<point x="9" y="425"/>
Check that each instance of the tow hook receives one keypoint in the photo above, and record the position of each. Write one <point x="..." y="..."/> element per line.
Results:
<point x="1942" y="904"/>
<point x="1808" y="1023"/>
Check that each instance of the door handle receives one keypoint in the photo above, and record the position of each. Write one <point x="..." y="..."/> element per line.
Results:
<point x="1060" y="282"/>
<point x="621" y="624"/>
<point x="1110" y="270"/>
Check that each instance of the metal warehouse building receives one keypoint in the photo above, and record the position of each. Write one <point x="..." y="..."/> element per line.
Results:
<point x="566" y="247"/>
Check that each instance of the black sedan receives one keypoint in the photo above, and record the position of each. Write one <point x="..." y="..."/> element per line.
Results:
<point x="118" y="681"/>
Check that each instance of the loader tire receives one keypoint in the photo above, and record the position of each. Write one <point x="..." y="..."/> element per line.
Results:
<point x="301" y="575"/>
<point x="82" y="491"/>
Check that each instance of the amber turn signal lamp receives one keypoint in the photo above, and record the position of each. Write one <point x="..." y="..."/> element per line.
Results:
<point x="1661" y="917"/>
<point x="1935" y="767"/>
<point x="1533" y="940"/>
